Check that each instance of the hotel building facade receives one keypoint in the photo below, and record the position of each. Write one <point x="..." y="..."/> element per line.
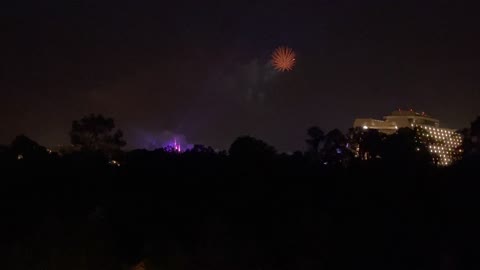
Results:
<point x="443" y="143"/>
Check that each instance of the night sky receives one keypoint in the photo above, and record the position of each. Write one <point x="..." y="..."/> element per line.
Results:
<point x="200" y="71"/>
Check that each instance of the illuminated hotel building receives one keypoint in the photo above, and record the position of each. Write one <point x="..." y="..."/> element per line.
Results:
<point x="443" y="143"/>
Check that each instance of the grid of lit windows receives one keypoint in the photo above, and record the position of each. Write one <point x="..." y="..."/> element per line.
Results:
<point x="444" y="144"/>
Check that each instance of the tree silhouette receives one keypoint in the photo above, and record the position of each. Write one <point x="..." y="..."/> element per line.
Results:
<point x="247" y="147"/>
<point x="475" y="129"/>
<point x="316" y="136"/>
<point x="96" y="133"/>
<point x="371" y="144"/>
<point x="471" y="139"/>
<point x="26" y="147"/>
<point x="475" y="136"/>
<point x="365" y="144"/>
<point x="199" y="148"/>
<point x="235" y="212"/>
<point x="354" y="138"/>
<point x="404" y="146"/>
<point x="335" y="150"/>
<point x="467" y="144"/>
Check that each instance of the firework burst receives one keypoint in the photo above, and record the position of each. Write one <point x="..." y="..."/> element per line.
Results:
<point x="283" y="59"/>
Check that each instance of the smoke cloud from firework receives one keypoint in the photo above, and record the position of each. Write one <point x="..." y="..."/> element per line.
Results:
<point x="249" y="81"/>
<point x="228" y="96"/>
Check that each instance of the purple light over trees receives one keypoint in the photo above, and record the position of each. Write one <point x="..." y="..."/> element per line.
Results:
<point x="173" y="146"/>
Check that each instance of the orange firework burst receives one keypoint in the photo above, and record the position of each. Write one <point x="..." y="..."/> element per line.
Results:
<point x="283" y="59"/>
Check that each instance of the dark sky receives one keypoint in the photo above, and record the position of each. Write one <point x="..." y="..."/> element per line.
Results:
<point x="200" y="69"/>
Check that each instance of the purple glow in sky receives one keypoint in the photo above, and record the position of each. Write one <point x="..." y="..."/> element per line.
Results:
<point x="176" y="146"/>
<point x="156" y="140"/>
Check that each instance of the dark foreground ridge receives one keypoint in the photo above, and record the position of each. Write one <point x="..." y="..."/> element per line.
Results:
<point x="248" y="208"/>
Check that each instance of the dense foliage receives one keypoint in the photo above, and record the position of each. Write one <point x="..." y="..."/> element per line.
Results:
<point x="250" y="208"/>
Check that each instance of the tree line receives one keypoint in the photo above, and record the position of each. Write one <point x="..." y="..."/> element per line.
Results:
<point x="355" y="200"/>
<point x="97" y="134"/>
